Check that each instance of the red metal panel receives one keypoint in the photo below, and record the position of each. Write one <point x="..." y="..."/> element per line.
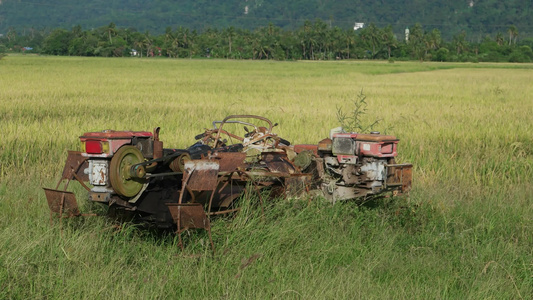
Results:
<point x="302" y="147"/>
<point x="376" y="149"/>
<point x="111" y="134"/>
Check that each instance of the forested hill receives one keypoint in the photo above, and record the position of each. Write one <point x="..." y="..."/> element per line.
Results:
<point x="476" y="17"/>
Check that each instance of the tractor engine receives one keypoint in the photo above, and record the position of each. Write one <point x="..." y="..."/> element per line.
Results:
<point x="132" y="174"/>
<point x="354" y="165"/>
<point x="109" y="155"/>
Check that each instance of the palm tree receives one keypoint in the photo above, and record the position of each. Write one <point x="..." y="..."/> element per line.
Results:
<point x="77" y="31"/>
<point x="416" y="41"/>
<point x="499" y="39"/>
<point x="320" y="35"/>
<point x="513" y="33"/>
<point x="191" y="41"/>
<point x="147" y="41"/>
<point x="138" y="42"/>
<point x="126" y="33"/>
<point x="230" y="34"/>
<point x="11" y="34"/>
<point x="349" y="38"/>
<point x="460" y="43"/>
<point x="111" y="30"/>
<point x="169" y="38"/>
<point x="306" y="40"/>
<point x="388" y="39"/>
<point x="434" y="39"/>
<point x="372" y="36"/>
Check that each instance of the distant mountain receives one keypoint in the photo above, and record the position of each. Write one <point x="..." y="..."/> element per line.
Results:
<point x="477" y="17"/>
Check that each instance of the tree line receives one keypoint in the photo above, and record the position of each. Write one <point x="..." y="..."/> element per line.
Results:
<point x="314" y="40"/>
<point x="476" y="17"/>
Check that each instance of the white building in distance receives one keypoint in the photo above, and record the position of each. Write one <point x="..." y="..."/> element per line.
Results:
<point x="358" y="26"/>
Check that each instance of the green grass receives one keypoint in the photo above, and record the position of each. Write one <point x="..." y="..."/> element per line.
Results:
<point x="464" y="232"/>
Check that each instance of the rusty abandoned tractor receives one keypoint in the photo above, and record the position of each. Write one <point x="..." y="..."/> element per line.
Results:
<point x="133" y="174"/>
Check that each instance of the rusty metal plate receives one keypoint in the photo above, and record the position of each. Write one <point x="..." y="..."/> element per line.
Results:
<point x="230" y="161"/>
<point x="203" y="174"/>
<point x="400" y="175"/>
<point x="57" y="199"/>
<point x="306" y="147"/>
<point x="77" y="163"/>
<point x="189" y="215"/>
<point x="407" y="177"/>
<point x="325" y="145"/>
<point x="297" y="184"/>
<point x="277" y="162"/>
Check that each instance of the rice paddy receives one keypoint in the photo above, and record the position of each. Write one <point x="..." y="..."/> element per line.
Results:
<point x="465" y="231"/>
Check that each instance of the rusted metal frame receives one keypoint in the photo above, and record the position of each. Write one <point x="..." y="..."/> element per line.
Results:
<point x="222" y="212"/>
<point x="295" y="168"/>
<point x="264" y="138"/>
<point x="234" y="122"/>
<point x="79" y="180"/>
<point x="61" y="215"/>
<point x="213" y="191"/>
<point x="209" y="234"/>
<point x="163" y="174"/>
<point x="84" y="186"/>
<point x="123" y="203"/>
<point x="398" y="165"/>
<point x="71" y="173"/>
<point x="230" y="134"/>
<point x="224" y="185"/>
<point x="58" y="183"/>
<point x="193" y="219"/>
<point x="221" y="179"/>
<point x="193" y="197"/>
<point x="183" y="186"/>
<point x="68" y="172"/>
<point x="257" y="189"/>
<point x="62" y="203"/>
<point x="249" y="174"/>
<point x="401" y="167"/>
<point x="213" y="194"/>
<point x="153" y="162"/>
<point x="225" y="121"/>
<point x="66" y="184"/>
<point x="185" y="179"/>
<point x="217" y="137"/>
<point x="243" y="117"/>
<point x="178" y="228"/>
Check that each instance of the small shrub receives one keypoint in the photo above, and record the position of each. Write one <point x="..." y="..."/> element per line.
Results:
<point x="353" y="120"/>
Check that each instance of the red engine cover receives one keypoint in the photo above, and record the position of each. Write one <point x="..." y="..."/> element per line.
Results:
<point x="375" y="145"/>
<point x="116" y="139"/>
<point x="111" y="134"/>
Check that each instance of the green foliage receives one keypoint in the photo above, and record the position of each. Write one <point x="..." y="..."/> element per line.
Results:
<point x="312" y="41"/>
<point x="353" y="120"/>
<point x="441" y="55"/>
<point x="57" y="42"/>
<point x="449" y="17"/>
<point x="522" y="54"/>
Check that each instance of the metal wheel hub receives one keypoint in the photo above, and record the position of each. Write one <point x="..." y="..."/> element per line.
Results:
<point x="119" y="174"/>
